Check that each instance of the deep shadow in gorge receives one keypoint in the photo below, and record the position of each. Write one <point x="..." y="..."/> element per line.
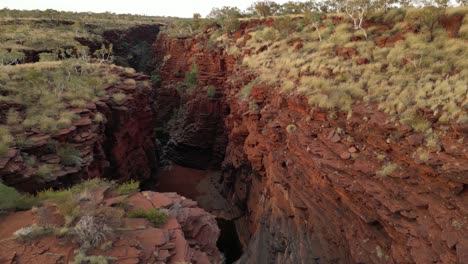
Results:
<point x="228" y="242"/>
<point x="199" y="185"/>
<point x="191" y="132"/>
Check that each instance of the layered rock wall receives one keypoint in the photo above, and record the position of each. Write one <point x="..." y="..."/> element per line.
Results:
<point x="317" y="193"/>
<point x="314" y="185"/>
<point x="119" y="147"/>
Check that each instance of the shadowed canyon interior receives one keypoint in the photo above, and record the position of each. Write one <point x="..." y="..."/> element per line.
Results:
<point x="277" y="177"/>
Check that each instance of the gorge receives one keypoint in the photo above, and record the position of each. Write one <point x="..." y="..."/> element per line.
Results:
<point x="288" y="182"/>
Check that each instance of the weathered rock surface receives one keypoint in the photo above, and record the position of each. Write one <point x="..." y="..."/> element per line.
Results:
<point x="314" y="195"/>
<point x="189" y="236"/>
<point x="120" y="147"/>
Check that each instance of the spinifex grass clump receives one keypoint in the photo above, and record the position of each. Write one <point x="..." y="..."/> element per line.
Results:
<point x="156" y="217"/>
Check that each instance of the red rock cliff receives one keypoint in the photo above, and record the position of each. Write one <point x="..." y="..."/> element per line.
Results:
<point x="313" y="195"/>
<point x="121" y="147"/>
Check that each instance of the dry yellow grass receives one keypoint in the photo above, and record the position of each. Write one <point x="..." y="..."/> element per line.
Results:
<point x="402" y="78"/>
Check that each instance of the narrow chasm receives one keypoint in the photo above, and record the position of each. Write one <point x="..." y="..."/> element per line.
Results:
<point x="189" y="132"/>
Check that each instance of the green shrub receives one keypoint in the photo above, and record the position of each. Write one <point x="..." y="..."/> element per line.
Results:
<point x="6" y="139"/>
<point x="155" y="79"/>
<point x="66" y="202"/>
<point x="3" y="149"/>
<point x="232" y="25"/>
<point x="12" y="199"/>
<point x="30" y="161"/>
<point x="191" y="77"/>
<point x="13" y="117"/>
<point x="69" y="155"/>
<point x="154" y="216"/>
<point x="46" y="172"/>
<point x="427" y="18"/>
<point x="247" y="90"/>
<point x="211" y="91"/>
<point x="128" y="187"/>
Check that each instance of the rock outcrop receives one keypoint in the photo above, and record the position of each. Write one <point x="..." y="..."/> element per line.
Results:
<point x="188" y="236"/>
<point x="120" y="146"/>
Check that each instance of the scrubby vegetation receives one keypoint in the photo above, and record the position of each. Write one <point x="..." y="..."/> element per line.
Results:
<point x="399" y="56"/>
<point x="58" y="35"/>
<point x="13" y="200"/>
<point x="402" y="60"/>
<point x="154" y="216"/>
<point x="45" y="91"/>
<point x="86" y="220"/>
<point x="128" y="187"/>
<point x="32" y="232"/>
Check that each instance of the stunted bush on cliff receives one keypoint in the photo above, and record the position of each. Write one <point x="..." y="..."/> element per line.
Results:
<point x="11" y="199"/>
<point x="128" y="187"/>
<point x="6" y="140"/>
<point x="91" y="232"/>
<point x="69" y="155"/>
<point x="211" y="91"/>
<point x="13" y="117"/>
<point x="247" y="90"/>
<point x="119" y="98"/>
<point x="191" y="78"/>
<point x="154" y="216"/>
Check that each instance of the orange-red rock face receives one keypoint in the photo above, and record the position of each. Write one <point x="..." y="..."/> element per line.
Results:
<point x="314" y="195"/>
<point x="119" y="148"/>
<point x="197" y="132"/>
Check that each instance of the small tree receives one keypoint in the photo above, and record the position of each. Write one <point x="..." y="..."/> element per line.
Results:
<point x="196" y="21"/>
<point x="292" y="7"/>
<point x="428" y="19"/>
<point x="265" y="8"/>
<point x="104" y="54"/>
<point x="227" y="17"/>
<point x="356" y="9"/>
<point x="315" y="19"/>
<point x="284" y="25"/>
